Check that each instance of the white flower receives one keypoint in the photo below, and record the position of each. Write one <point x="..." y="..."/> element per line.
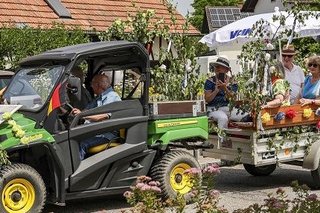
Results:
<point x="267" y="57"/>
<point x="163" y="67"/>
<point x="270" y="46"/>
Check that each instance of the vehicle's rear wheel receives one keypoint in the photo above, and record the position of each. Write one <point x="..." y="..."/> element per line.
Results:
<point x="260" y="170"/>
<point x="169" y="171"/>
<point x="316" y="178"/>
<point x="22" y="189"/>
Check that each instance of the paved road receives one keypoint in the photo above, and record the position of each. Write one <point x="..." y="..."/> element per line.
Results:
<point x="238" y="190"/>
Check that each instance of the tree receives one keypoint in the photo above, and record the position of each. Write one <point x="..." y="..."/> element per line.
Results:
<point x="17" y="43"/>
<point x="175" y="77"/>
<point x="199" y="9"/>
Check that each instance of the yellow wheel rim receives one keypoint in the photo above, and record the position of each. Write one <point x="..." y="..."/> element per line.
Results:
<point x="179" y="181"/>
<point x="18" y="196"/>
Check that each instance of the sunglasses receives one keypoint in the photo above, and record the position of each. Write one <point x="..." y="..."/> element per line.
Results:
<point x="312" y="65"/>
<point x="289" y="56"/>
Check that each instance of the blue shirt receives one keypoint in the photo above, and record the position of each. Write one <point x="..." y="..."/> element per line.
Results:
<point x="310" y="90"/>
<point x="107" y="97"/>
<point x="220" y="99"/>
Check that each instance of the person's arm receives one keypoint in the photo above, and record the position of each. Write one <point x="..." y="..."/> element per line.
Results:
<point x="276" y="102"/>
<point x="305" y="101"/>
<point x="211" y="90"/>
<point x="209" y="95"/>
<point x="99" y="117"/>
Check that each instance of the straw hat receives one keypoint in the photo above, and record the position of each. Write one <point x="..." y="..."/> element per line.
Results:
<point x="288" y="50"/>
<point x="222" y="61"/>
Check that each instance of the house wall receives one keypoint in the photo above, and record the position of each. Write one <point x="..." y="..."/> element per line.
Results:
<point x="267" y="6"/>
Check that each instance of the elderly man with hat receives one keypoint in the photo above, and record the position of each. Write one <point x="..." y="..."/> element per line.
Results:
<point x="293" y="73"/>
<point x="218" y="89"/>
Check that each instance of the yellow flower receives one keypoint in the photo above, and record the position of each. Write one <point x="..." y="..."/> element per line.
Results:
<point x="16" y="128"/>
<point x="6" y="116"/>
<point x="265" y="118"/>
<point x="12" y="123"/>
<point x="20" y="133"/>
<point x="307" y="113"/>
<point x="24" y="140"/>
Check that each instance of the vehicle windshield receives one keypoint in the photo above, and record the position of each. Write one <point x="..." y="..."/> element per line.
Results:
<point x="31" y="87"/>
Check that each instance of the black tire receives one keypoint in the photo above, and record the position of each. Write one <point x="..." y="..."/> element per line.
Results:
<point x="316" y="178"/>
<point x="169" y="171"/>
<point x="260" y="170"/>
<point x="22" y="189"/>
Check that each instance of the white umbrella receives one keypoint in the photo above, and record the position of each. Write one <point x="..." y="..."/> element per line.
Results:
<point x="239" y="31"/>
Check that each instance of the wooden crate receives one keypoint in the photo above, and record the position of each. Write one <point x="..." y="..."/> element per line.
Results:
<point x="297" y="120"/>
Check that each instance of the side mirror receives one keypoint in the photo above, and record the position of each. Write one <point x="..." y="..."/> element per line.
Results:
<point x="74" y="87"/>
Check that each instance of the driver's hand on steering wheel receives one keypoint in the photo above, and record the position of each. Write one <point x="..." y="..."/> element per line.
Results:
<point x="75" y="111"/>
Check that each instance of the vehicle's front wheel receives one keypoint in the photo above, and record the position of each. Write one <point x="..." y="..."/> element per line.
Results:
<point x="260" y="170"/>
<point x="22" y="189"/>
<point x="170" y="169"/>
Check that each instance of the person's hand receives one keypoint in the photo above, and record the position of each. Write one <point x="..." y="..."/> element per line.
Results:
<point x="75" y="111"/>
<point x="305" y="101"/>
<point x="222" y="85"/>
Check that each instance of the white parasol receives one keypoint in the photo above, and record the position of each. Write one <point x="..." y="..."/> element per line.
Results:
<point x="238" y="31"/>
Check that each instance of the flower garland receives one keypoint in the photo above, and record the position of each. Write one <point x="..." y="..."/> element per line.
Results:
<point x="16" y="129"/>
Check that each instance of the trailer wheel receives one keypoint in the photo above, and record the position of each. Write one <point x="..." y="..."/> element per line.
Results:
<point x="316" y="178"/>
<point x="169" y="171"/>
<point x="260" y="170"/>
<point x="22" y="189"/>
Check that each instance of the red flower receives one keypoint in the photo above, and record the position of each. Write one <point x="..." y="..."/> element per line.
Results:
<point x="291" y="113"/>
<point x="318" y="125"/>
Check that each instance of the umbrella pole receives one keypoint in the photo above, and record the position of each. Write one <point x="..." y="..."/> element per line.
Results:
<point x="280" y="49"/>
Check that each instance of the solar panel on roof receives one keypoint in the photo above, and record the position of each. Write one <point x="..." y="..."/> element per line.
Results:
<point x="222" y="16"/>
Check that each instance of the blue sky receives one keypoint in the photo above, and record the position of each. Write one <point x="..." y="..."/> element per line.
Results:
<point x="183" y="6"/>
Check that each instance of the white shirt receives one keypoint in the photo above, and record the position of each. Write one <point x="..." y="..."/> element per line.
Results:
<point x="296" y="78"/>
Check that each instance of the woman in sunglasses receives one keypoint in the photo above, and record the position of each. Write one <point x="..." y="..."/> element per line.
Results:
<point x="311" y="88"/>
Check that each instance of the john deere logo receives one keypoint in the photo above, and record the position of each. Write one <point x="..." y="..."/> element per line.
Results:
<point x="178" y="123"/>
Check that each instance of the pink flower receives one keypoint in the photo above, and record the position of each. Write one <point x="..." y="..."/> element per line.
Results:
<point x="154" y="183"/>
<point x="155" y="189"/>
<point x="193" y="171"/>
<point x="214" y="194"/>
<point x="318" y="125"/>
<point x="212" y="169"/>
<point x="312" y="197"/>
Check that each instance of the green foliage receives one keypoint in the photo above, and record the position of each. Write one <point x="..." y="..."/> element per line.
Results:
<point x="199" y="7"/>
<point x="18" y="43"/>
<point x="179" y="79"/>
<point x="255" y="58"/>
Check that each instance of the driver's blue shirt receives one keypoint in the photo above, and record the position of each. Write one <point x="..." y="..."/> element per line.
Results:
<point x="107" y="97"/>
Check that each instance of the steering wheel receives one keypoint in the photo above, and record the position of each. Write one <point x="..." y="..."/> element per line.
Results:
<point x="66" y="114"/>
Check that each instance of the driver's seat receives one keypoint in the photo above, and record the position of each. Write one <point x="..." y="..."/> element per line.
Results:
<point x="109" y="144"/>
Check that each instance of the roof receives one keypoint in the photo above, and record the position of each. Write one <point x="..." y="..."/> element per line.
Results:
<point x="217" y="17"/>
<point x="88" y="15"/>
<point x="250" y="5"/>
<point x="68" y="53"/>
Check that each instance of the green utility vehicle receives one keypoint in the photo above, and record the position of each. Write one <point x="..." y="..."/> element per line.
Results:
<point x="41" y="137"/>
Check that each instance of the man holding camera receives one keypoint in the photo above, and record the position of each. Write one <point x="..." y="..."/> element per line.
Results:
<point x="218" y="89"/>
